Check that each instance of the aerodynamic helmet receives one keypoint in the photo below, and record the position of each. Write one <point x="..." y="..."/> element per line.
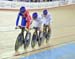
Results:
<point x="22" y="9"/>
<point x="45" y="12"/>
<point x="34" y="15"/>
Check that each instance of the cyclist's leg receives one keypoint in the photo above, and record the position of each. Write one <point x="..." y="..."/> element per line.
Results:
<point x="44" y="30"/>
<point x="35" y="31"/>
<point x="40" y="37"/>
<point x="49" y="30"/>
<point x="40" y="32"/>
<point x="22" y="30"/>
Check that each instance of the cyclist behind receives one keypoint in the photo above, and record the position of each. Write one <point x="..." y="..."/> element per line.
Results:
<point x="47" y="20"/>
<point x="28" y="19"/>
<point x="23" y="21"/>
<point x="36" y="22"/>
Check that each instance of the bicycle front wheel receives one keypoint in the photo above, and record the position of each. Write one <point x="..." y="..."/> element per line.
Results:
<point x="34" y="40"/>
<point x="19" y="42"/>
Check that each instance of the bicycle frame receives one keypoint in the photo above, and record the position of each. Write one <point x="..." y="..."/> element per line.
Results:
<point x="36" y="38"/>
<point x="25" y="41"/>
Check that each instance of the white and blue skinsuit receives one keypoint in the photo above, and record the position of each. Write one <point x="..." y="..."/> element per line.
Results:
<point x="23" y="20"/>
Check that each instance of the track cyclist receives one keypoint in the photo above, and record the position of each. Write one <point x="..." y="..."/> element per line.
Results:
<point x="47" y="21"/>
<point x="22" y="22"/>
<point x="37" y="25"/>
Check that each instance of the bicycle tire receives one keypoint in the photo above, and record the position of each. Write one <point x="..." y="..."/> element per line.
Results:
<point x="40" y="42"/>
<point x="48" y="37"/>
<point x="34" y="40"/>
<point x="19" y="42"/>
<point x="27" y="40"/>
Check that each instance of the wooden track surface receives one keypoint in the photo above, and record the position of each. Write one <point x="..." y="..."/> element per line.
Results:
<point x="63" y="31"/>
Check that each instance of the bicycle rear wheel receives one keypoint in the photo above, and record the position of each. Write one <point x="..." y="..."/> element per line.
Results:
<point x="40" y="42"/>
<point x="27" y="40"/>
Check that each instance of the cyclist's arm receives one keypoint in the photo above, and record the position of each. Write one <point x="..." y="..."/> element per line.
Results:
<point x="31" y="24"/>
<point x="51" y="20"/>
<point x="18" y="19"/>
<point x="41" y="23"/>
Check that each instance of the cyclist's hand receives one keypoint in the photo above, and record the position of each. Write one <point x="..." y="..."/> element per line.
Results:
<point x="16" y="27"/>
<point x="26" y="29"/>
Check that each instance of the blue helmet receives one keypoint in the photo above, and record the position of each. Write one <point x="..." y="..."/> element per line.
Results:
<point x="45" y="12"/>
<point x="22" y="9"/>
<point x="34" y="15"/>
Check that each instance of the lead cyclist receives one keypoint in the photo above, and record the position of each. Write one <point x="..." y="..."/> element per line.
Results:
<point x="23" y="21"/>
